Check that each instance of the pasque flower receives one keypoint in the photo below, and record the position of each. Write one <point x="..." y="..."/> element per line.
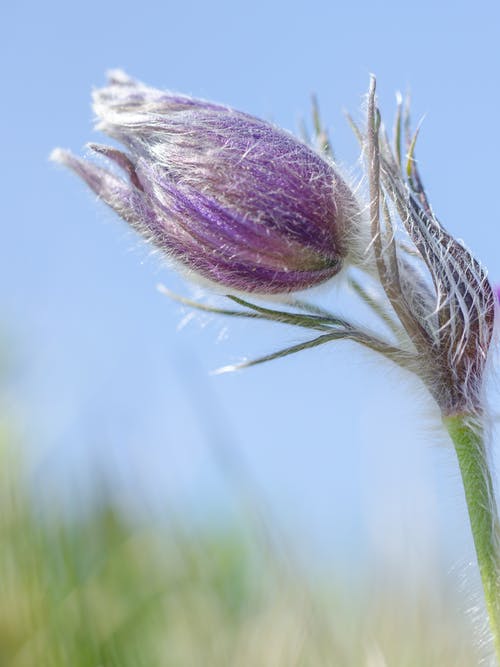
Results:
<point x="248" y="207"/>
<point x="232" y="198"/>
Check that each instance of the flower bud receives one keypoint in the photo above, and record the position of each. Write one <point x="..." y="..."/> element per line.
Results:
<point x="230" y="197"/>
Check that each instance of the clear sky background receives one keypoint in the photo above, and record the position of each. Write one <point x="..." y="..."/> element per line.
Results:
<point x="341" y="449"/>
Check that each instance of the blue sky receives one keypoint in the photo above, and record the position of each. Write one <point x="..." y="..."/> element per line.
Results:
<point x="341" y="447"/>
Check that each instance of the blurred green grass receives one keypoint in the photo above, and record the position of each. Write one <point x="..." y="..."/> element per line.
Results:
<point x="96" y="588"/>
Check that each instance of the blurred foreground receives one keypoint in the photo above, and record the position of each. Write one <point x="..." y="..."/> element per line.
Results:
<point x="99" y="589"/>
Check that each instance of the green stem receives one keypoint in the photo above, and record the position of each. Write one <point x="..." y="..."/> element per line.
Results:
<point x="468" y="437"/>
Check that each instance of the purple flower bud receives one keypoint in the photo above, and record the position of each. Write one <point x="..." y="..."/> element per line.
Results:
<point x="235" y="200"/>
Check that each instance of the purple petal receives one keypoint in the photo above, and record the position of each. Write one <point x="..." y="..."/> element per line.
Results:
<point x="127" y="200"/>
<point x="254" y="168"/>
<point x="226" y="228"/>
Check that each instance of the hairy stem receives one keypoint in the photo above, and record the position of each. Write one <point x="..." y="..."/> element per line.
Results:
<point x="468" y="438"/>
